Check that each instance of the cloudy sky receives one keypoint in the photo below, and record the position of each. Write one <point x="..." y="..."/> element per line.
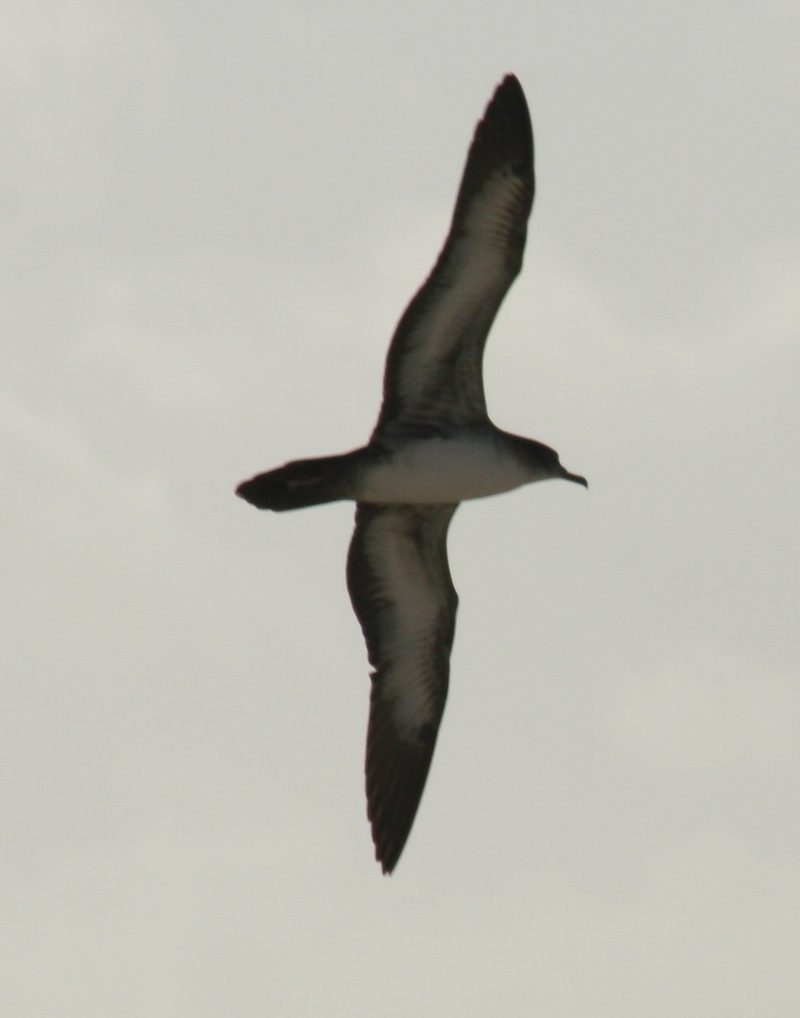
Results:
<point x="212" y="216"/>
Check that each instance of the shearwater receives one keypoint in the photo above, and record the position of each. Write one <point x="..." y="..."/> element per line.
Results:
<point x="433" y="447"/>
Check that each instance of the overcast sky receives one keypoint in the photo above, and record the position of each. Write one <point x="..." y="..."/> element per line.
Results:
<point x="212" y="217"/>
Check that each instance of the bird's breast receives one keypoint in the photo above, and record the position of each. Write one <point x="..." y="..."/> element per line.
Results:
<point x="441" y="471"/>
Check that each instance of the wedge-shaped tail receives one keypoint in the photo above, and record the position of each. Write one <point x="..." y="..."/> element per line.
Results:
<point x="300" y="483"/>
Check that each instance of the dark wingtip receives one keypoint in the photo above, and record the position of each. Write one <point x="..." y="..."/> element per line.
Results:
<point x="505" y="132"/>
<point x="510" y="92"/>
<point x="387" y="865"/>
<point x="396" y="772"/>
<point x="509" y="82"/>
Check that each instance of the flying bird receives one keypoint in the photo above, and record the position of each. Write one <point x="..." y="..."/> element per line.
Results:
<point x="432" y="448"/>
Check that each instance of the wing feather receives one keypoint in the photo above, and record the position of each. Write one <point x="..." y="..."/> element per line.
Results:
<point x="434" y="371"/>
<point x="400" y="586"/>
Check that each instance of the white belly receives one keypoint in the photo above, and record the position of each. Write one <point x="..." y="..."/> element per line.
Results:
<point x="442" y="470"/>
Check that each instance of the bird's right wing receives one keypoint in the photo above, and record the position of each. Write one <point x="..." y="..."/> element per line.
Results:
<point x="402" y="593"/>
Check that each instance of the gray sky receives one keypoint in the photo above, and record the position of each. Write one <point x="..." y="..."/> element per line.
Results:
<point x="212" y="217"/>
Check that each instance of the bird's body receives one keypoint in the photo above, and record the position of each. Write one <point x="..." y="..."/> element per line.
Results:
<point x="432" y="448"/>
<point x="471" y="463"/>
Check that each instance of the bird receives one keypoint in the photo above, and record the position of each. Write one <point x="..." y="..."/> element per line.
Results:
<point x="432" y="448"/>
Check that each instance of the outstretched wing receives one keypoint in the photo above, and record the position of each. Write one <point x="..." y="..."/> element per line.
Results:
<point x="400" y="587"/>
<point x="434" y="373"/>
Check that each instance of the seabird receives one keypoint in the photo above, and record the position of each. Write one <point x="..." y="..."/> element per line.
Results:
<point x="432" y="448"/>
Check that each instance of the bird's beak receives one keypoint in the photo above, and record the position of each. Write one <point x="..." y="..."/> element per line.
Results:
<point x="576" y="478"/>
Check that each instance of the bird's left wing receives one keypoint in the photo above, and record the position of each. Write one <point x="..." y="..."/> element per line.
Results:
<point x="401" y="590"/>
<point x="434" y="373"/>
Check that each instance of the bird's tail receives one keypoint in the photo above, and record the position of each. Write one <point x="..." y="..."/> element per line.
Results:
<point x="299" y="484"/>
